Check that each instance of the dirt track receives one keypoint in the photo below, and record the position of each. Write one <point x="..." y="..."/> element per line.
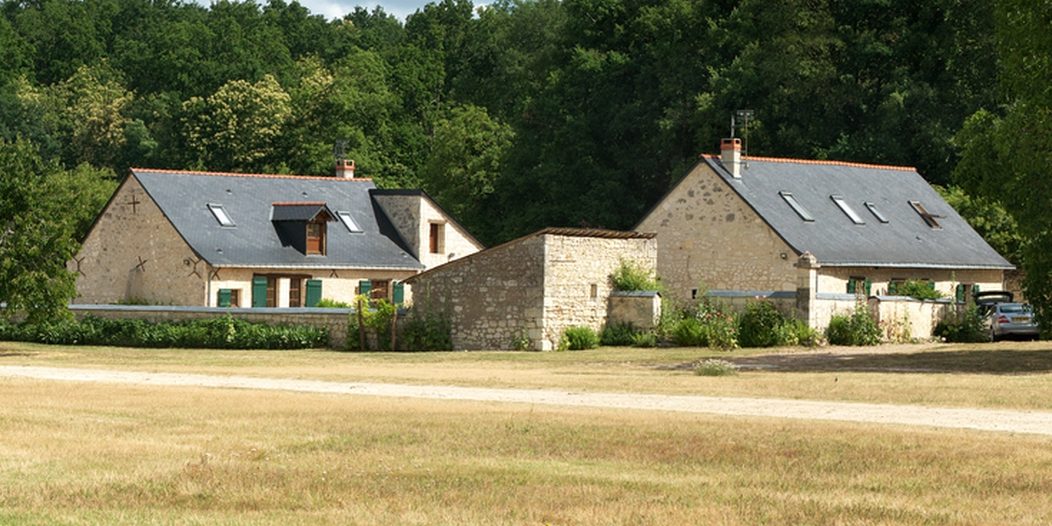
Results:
<point x="1007" y="421"/>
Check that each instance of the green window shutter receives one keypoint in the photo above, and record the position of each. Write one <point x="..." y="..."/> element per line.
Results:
<point x="224" y="298"/>
<point x="851" y="285"/>
<point x="259" y="291"/>
<point x="364" y="286"/>
<point x="958" y="293"/>
<point x="313" y="292"/>
<point x="399" y="292"/>
<point x="893" y="287"/>
<point x="975" y="289"/>
<point x="869" y="287"/>
<point x="931" y="285"/>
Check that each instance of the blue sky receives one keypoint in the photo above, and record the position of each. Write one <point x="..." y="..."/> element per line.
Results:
<point x="338" y="8"/>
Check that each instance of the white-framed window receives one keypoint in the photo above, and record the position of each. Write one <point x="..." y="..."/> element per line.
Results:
<point x="846" y="208"/>
<point x="876" y="213"/>
<point x="796" y="206"/>
<point x="220" y="214"/>
<point x="348" y="221"/>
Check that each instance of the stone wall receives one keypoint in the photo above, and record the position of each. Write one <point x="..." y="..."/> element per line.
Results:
<point x="908" y="318"/>
<point x="412" y="213"/>
<point x="161" y="268"/>
<point x="491" y="298"/>
<point x="404" y="212"/>
<point x="333" y="320"/>
<point x="641" y="310"/>
<point x="577" y="283"/>
<point x="711" y="239"/>
<point x="736" y="300"/>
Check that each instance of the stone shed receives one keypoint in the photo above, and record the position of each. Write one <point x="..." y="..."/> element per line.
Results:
<point x="532" y="287"/>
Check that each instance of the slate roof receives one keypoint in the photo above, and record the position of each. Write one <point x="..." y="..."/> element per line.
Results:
<point x="905" y="240"/>
<point x="248" y="199"/>
<point x="299" y="211"/>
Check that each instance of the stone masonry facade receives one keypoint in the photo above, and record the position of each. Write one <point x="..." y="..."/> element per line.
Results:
<point x="533" y="288"/>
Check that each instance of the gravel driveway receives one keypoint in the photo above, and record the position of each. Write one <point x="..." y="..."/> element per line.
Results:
<point x="1006" y="421"/>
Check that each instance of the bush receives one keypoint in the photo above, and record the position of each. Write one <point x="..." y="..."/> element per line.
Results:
<point x="376" y="318"/>
<point x="521" y="341"/>
<point x="759" y="325"/>
<point x="618" y="334"/>
<point x="797" y="332"/>
<point x="580" y="338"/>
<point x="967" y="327"/>
<point x="855" y="329"/>
<point x="708" y="326"/>
<point x="714" y="367"/>
<point x="327" y="303"/>
<point x="644" y="339"/>
<point x="427" y="333"/>
<point x="918" y="289"/>
<point x="631" y="276"/>
<point x="216" y="333"/>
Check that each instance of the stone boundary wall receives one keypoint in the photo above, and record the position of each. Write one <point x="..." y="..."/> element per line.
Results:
<point x="641" y="309"/>
<point x="909" y="317"/>
<point x="333" y="320"/>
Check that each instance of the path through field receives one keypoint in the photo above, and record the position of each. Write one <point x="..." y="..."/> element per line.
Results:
<point x="1007" y="421"/>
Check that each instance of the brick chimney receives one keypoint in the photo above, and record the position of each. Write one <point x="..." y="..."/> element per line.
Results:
<point x="731" y="156"/>
<point x="344" y="169"/>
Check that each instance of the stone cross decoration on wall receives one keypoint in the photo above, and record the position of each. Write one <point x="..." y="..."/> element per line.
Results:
<point x="134" y="203"/>
<point x="78" y="261"/>
<point x="141" y="267"/>
<point x="194" y="262"/>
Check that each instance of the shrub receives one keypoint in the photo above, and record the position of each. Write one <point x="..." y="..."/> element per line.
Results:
<point x="688" y="332"/>
<point x="521" y="341"/>
<point x="579" y="338"/>
<point x="759" y="325"/>
<point x="618" y="334"/>
<point x="797" y="332"/>
<point x="631" y="276"/>
<point x="715" y="367"/>
<point x="707" y="326"/>
<point x="966" y="327"/>
<point x="919" y="289"/>
<point x="327" y="303"/>
<point x="429" y="332"/>
<point x="644" y="339"/>
<point x="858" y="328"/>
<point x="376" y="319"/>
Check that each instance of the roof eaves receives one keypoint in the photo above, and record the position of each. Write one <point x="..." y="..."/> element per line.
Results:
<point x="264" y="176"/>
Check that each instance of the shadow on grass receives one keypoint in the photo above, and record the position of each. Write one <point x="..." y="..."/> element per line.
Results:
<point x="979" y="361"/>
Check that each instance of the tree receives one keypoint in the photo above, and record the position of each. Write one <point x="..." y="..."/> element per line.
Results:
<point x="467" y="153"/>
<point x="236" y="128"/>
<point x="42" y="210"/>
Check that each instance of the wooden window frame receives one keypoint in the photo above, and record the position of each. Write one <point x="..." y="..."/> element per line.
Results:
<point x="320" y="237"/>
<point x="437" y="237"/>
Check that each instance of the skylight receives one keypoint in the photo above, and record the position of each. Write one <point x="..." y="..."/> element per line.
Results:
<point x="928" y="217"/>
<point x="348" y="221"/>
<point x="876" y="213"/>
<point x="796" y="206"/>
<point x="220" y="214"/>
<point x="848" y="211"/>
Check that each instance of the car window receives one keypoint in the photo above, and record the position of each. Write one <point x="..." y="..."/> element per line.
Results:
<point x="1011" y="308"/>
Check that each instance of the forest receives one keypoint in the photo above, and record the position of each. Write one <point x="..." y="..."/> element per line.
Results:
<point x="522" y="113"/>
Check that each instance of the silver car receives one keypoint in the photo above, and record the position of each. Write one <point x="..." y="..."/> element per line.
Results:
<point x="1011" y="319"/>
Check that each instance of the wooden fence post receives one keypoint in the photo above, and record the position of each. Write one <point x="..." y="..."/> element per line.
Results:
<point x="361" y="328"/>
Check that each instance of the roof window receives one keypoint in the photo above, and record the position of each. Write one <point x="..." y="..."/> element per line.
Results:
<point x="796" y="206"/>
<point x="348" y="221"/>
<point x="848" y="211"/>
<point x="928" y="217"/>
<point x="220" y="214"/>
<point x="876" y="213"/>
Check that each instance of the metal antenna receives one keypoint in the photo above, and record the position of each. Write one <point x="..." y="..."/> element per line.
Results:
<point x="744" y="115"/>
<point x="338" y="151"/>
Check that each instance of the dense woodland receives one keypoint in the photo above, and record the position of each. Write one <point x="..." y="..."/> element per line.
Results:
<point x="525" y="113"/>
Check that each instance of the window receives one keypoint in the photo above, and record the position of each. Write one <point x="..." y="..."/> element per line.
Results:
<point x="295" y="293"/>
<point x="928" y="217"/>
<point x="859" y="285"/>
<point x="378" y="289"/>
<point x="594" y="292"/>
<point x="228" y="298"/>
<point x="893" y="286"/>
<point x="848" y="211"/>
<point x="876" y="213"/>
<point x="348" y="222"/>
<point x="316" y="238"/>
<point x="437" y="238"/>
<point x="796" y="206"/>
<point x="220" y="214"/>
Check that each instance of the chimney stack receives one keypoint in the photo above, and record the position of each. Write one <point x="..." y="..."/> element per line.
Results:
<point x="731" y="156"/>
<point x="345" y="169"/>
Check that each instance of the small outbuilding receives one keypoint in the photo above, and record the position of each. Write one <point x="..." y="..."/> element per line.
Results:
<point x="532" y="288"/>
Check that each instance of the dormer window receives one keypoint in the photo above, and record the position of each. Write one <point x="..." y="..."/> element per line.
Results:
<point x="316" y="237"/>
<point x="220" y="214"/>
<point x="928" y="217"/>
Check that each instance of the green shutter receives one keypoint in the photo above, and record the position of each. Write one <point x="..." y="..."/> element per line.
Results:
<point x="313" y="292"/>
<point x="931" y="285"/>
<point x="869" y="287"/>
<point x="259" y="291"/>
<point x="399" y="292"/>
<point x="851" y="285"/>
<point x="364" y="286"/>
<point x="893" y="287"/>
<point x="224" y="298"/>
<point x="959" y="293"/>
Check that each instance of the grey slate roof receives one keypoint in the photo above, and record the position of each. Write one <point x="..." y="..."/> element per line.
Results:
<point x="904" y="241"/>
<point x="299" y="211"/>
<point x="184" y="197"/>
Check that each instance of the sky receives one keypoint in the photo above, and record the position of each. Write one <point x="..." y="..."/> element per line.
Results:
<point x="337" y="8"/>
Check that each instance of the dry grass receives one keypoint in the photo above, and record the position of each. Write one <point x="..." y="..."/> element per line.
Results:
<point x="117" y="454"/>
<point x="1006" y="374"/>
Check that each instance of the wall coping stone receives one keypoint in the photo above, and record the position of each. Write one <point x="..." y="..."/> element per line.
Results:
<point x="636" y="293"/>
<point x="210" y="310"/>
<point x="773" y="294"/>
<point x="912" y="299"/>
<point x="838" y="296"/>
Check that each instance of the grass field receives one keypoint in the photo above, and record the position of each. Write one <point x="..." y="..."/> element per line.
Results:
<point x="1007" y="374"/>
<point x="77" y="453"/>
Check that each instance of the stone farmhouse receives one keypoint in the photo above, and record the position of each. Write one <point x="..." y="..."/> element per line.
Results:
<point x="769" y="226"/>
<point x="247" y="240"/>
<point x="529" y="290"/>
